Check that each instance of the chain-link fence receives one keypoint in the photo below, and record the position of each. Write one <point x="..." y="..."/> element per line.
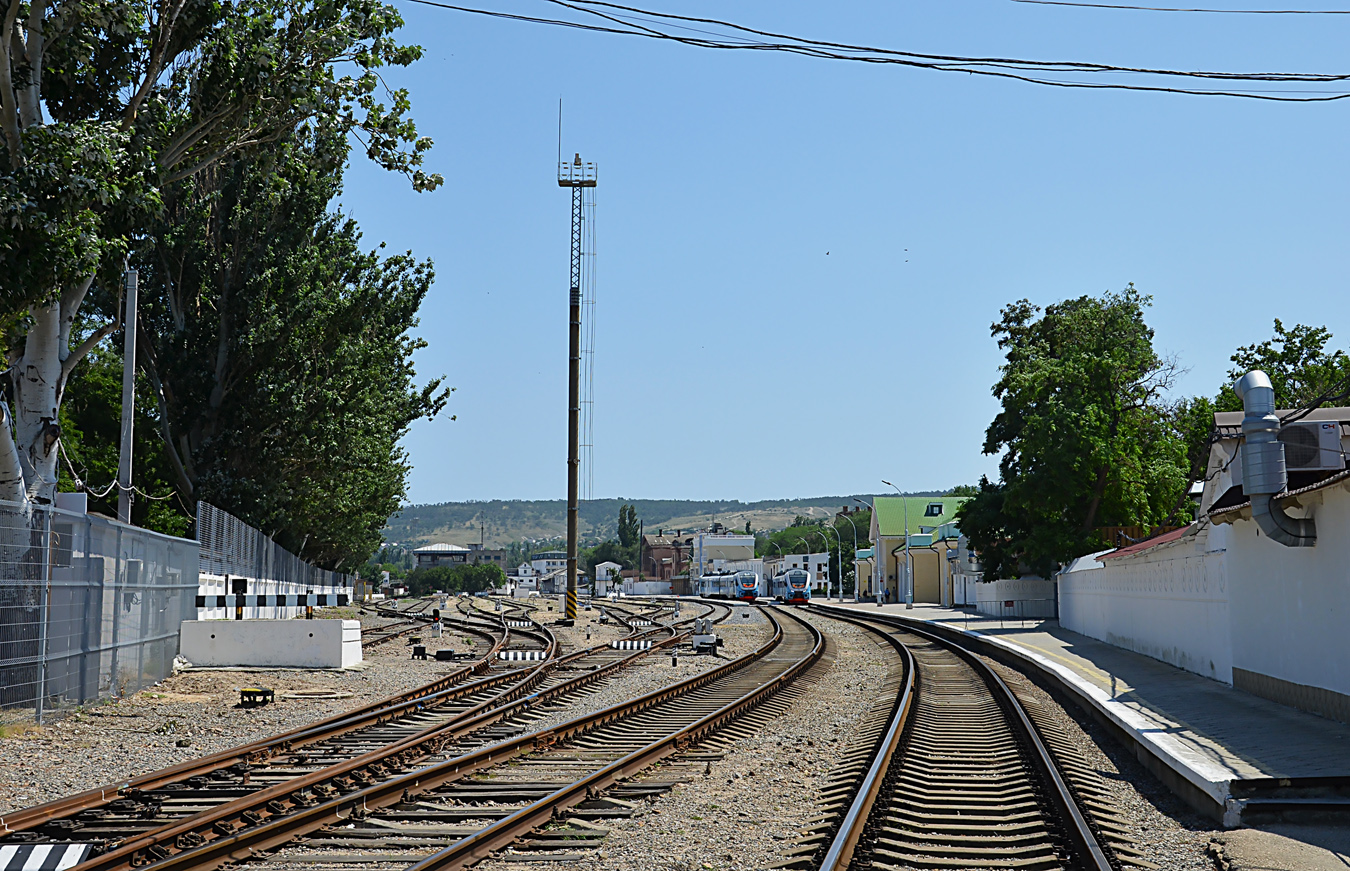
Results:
<point x="89" y="608"/>
<point x="256" y="574"/>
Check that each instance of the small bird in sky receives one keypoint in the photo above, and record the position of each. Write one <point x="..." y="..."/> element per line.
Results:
<point x="827" y="254"/>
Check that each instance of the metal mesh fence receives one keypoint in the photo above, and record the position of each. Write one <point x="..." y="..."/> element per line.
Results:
<point x="230" y="547"/>
<point x="89" y="608"/>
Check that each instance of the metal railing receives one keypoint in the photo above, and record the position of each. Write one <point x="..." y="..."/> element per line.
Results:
<point x="89" y="608"/>
<point x="230" y="547"/>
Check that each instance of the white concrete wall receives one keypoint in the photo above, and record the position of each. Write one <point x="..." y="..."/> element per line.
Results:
<point x="964" y="589"/>
<point x="1030" y="597"/>
<point x="647" y="588"/>
<point x="1170" y="603"/>
<point x="272" y="643"/>
<point x="1290" y="606"/>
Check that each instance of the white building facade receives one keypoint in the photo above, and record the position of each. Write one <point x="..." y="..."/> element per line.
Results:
<point x="1223" y="600"/>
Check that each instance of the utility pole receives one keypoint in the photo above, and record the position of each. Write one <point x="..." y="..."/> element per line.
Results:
<point x="128" y="400"/>
<point x="577" y="176"/>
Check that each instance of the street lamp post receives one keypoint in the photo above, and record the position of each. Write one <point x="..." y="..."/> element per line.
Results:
<point x="826" y="539"/>
<point x="877" y="567"/>
<point x="909" y="571"/>
<point x="855" y="564"/>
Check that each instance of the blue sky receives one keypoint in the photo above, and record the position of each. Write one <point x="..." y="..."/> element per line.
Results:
<point x="735" y="358"/>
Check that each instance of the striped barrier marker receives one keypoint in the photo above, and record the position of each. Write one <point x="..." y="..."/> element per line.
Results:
<point x="280" y="600"/>
<point x="520" y="655"/>
<point x="519" y="624"/>
<point x="639" y="622"/>
<point x="571" y="608"/>
<point x="631" y="645"/>
<point x="42" y="857"/>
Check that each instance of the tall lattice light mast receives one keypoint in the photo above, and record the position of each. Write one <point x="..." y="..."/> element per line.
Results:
<point x="577" y="176"/>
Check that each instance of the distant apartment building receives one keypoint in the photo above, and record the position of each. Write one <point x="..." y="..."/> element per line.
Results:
<point x="549" y="561"/>
<point x="716" y="545"/>
<point x="816" y="564"/>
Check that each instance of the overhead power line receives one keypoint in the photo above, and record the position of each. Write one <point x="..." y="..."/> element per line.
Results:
<point x="633" y="21"/>
<point x="1208" y="11"/>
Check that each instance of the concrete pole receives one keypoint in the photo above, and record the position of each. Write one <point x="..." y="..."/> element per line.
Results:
<point x="855" y="563"/>
<point x="128" y="400"/>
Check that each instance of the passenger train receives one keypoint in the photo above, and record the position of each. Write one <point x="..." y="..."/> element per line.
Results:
<point x="793" y="586"/>
<point x="741" y="585"/>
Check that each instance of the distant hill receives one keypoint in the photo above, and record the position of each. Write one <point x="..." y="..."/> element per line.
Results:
<point x="506" y="521"/>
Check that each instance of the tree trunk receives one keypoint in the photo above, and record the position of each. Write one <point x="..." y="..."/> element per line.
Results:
<point x="1098" y="490"/>
<point x="37" y="384"/>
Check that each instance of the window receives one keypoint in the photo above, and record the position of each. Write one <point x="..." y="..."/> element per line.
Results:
<point x="934" y="509"/>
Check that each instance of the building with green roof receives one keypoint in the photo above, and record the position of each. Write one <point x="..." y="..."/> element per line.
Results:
<point x="932" y="531"/>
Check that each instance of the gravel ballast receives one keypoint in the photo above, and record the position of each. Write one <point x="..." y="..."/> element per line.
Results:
<point x="110" y="742"/>
<point x="745" y="813"/>
<point x="1165" y="830"/>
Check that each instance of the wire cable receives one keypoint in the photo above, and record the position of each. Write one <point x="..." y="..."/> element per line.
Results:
<point x="1209" y="11"/>
<point x="634" y="21"/>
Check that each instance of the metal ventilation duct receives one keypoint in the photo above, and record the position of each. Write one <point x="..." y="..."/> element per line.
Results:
<point x="1263" y="470"/>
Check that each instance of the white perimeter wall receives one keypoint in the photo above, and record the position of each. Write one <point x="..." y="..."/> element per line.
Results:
<point x="1030" y="597"/>
<point x="272" y="643"/>
<point x="1291" y="605"/>
<point x="1171" y="603"/>
<point x="647" y="588"/>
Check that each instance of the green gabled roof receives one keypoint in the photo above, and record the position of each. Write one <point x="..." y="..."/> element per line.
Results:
<point x="890" y="512"/>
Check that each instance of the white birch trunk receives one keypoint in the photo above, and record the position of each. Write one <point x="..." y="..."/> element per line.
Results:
<point x="30" y="442"/>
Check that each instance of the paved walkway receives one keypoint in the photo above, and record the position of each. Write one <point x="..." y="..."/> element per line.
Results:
<point x="1209" y="732"/>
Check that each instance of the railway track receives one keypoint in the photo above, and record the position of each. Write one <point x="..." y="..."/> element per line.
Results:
<point x="583" y="769"/>
<point x="955" y="769"/>
<point x="169" y="813"/>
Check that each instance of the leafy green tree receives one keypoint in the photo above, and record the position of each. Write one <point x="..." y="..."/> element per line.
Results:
<point x="90" y="434"/>
<point x="628" y="526"/>
<point x="142" y="96"/>
<point x="1086" y="436"/>
<point x="963" y="490"/>
<point x="279" y="353"/>
<point x="1300" y="366"/>
<point x="455" y="579"/>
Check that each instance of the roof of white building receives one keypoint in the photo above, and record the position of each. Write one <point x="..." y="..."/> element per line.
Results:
<point x="440" y="548"/>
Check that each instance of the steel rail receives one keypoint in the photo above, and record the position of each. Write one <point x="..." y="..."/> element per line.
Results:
<point x="508" y="829"/>
<point x="28" y="818"/>
<point x="263" y="804"/>
<point x="133" y="852"/>
<point x="1080" y="834"/>
<point x="300" y="812"/>
<point x="850" y="831"/>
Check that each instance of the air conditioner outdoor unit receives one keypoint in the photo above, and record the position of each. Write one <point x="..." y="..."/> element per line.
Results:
<point x="1312" y="445"/>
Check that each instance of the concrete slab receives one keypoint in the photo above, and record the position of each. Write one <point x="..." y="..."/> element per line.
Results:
<point x="272" y="643"/>
<point x="1286" y="848"/>
<point x="1202" y="737"/>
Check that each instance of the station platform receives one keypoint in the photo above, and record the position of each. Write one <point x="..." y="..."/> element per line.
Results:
<point x="1233" y="756"/>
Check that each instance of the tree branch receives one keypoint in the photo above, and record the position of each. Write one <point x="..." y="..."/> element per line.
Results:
<point x="68" y="365"/>
<point x="150" y="366"/>
<point x="11" y="469"/>
<point x="71" y="300"/>
<point x="156" y="65"/>
<point x="30" y="102"/>
<point x="10" y="121"/>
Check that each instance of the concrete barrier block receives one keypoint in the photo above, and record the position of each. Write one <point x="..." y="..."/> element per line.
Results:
<point x="271" y="643"/>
